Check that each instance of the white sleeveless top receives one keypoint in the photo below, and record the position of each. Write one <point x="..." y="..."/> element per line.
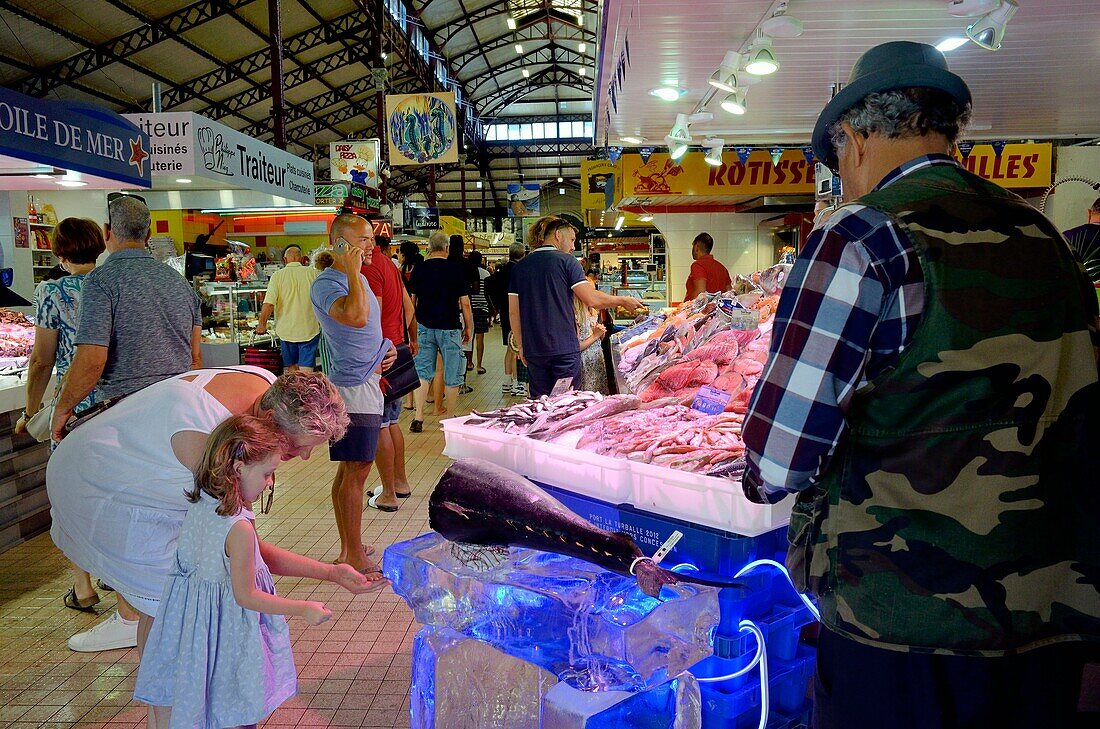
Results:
<point x="116" y="487"/>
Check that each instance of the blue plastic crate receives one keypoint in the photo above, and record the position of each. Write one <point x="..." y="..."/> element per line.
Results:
<point x="600" y="513"/>
<point x="736" y="704"/>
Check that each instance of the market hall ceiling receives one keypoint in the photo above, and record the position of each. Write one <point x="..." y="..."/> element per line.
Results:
<point x="212" y="57"/>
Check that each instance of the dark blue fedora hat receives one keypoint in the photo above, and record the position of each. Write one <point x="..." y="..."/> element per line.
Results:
<point x="886" y="67"/>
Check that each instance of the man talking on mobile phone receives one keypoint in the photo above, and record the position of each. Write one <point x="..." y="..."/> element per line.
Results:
<point x="351" y="322"/>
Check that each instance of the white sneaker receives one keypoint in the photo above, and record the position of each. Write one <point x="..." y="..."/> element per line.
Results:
<point x="112" y="633"/>
<point x="519" y="390"/>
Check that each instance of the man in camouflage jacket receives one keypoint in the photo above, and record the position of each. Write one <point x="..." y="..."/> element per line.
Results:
<point x="932" y="396"/>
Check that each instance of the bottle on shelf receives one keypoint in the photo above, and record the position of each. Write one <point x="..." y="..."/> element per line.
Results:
<point x="32" y="210"/>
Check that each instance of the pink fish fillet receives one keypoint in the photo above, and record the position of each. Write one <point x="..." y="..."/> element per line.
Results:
<point x="688" y="373"/>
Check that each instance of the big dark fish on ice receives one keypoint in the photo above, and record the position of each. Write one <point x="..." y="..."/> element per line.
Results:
<point x="480" y="503"/>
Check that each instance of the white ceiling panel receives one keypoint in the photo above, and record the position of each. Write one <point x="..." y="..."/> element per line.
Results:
<point x="1031" y="87"/>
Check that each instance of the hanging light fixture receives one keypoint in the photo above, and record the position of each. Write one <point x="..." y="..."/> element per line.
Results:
<point x="714" y="147"/>
<point x="519" y="48"/>
<point x="762" y="60"/>
<point x="989" y="32"/>
<point x="511" y="23"/>
<point x="725" y="78"/>
<point x="679" y="137"/>
<point x="526" y="73"/>
<point x="582" y="47"/>
<point x="735" y="102"/>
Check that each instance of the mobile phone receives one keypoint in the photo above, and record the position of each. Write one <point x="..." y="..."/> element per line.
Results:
<point x="341" y="246"/>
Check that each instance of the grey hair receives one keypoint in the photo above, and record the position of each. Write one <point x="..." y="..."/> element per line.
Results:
<point x="515" y="251"/>
<point x="129" y="219"/>
<point x="438" y="242"/>
<point x="903" y="114"/>
<point x="306" y="403"/>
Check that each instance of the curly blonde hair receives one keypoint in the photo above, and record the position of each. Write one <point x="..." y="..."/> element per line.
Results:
<point x="243" y="439"/>
<point x="306" y="403"/>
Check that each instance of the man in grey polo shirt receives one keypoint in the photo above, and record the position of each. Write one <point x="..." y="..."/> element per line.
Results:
<point x="139" y="324"/>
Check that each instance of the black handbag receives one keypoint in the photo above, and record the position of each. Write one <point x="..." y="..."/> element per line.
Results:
<point x="401" y="377"/>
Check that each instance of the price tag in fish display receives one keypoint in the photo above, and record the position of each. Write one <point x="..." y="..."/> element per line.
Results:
<point x="667" y="547"/>
<point x="744" y="319"/>
<point x="710" y="401"/>
<point x="562" y="386"/>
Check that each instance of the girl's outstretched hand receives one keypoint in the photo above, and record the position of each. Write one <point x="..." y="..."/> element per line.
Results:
<point x="316" y="613"/>
<point x="355" y="581"/>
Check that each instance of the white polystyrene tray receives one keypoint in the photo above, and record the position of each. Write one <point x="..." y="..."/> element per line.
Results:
<point x="692" y="497"/>
<point x="468" y="441"/>
<point x="578" y="471"/>
<point x="707" y="500"/>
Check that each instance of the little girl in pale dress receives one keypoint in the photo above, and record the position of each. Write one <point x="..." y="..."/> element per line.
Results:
<point x="219" y="651"/>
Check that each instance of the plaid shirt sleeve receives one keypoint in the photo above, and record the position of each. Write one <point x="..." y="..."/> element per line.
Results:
<point x="844" y="306"/>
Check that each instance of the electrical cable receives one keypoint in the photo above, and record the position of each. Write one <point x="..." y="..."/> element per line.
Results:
<point x="772" y="563"/>
<point x="761" y="658"/>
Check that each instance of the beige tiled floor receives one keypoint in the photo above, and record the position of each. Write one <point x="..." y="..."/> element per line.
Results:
<point x="352" y="671"/>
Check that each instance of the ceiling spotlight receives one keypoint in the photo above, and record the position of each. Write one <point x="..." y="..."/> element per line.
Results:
<point x="561" y="190"/>
<point x="781" y="25"/>
<point x="714" y="151"/>
<point x="667" y="93"/>
<point x="679" y="131"/>
<point x="721" y="79"/>
<point x="519" y="48"/>
<point x="676" y="149"/>
<point x="582" y="47"/>
<point x="971" y="8"/>
<point x="631" y="140"/>
<point x="735" y="103"/>
<point x="762" y="60"/>
<point x="511" y="23"/>
<point x="526" y="73"/>
<point x="989" y="32"/>
<point x="952" y="43"/>
<point x="584" y="71"/>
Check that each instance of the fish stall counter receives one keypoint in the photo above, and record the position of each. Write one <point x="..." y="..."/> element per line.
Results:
<point x="24" y="508"/>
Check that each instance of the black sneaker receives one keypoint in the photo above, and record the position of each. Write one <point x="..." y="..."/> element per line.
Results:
<point x="417" y="426"/>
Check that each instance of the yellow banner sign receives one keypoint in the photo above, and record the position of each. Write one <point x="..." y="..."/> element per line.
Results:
<point x="594" y="176"/>
<point x="758" y="175"/>
<point x="1019" y="165"/>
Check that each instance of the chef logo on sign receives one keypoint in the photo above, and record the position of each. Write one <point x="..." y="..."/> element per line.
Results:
<point x="215" y="153"/>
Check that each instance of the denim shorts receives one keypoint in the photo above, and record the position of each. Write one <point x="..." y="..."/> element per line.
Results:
<point x="392" y="413"/>
<point x="445" y="341"/>
<point x="302" y="354"/>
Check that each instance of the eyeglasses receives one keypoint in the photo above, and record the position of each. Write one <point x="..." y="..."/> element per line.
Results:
<point x="267" y="498"/>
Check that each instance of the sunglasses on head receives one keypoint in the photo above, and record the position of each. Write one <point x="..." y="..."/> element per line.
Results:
<point x="112" y="196"/>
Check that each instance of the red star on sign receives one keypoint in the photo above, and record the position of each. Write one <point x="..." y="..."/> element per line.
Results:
<point x="138" y="155"/>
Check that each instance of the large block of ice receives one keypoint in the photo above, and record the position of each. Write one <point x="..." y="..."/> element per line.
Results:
<point x="592" y="628"/>
<point x="462" y="682"/>
<point x="675" y="704"/>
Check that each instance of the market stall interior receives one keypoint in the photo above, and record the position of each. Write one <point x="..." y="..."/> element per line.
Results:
<point x="584" y="559"/>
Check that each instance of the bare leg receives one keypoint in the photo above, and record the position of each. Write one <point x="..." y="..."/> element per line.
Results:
<point x="125" y="609"/>
<point x="400" y="478"/>
<point x="437" y="385"/>
<point x="82" y="583"/>
<point x="452" y="402"/>
<point x="353" y="476"/>
<point x="338" y="511"/>
<point x="159" y="716"/>
<point x="479" y="343"/>
<point x="509" y="362"/>
<point x="384" y="460"/>
<point x="420" y="396"/>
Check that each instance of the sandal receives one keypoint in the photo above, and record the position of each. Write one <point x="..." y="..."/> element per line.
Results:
<point x="104" y="586"/>
<point x="378" y="492"/>
<point x="481" y="370"/>
<point x="85" y="606"/>
<point x="372" y="502"/>
<point x="417" y="426"/>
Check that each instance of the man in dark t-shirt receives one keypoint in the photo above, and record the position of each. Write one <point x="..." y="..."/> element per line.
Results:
<point x="444" y="321"/>
<point x="540" y="303"/>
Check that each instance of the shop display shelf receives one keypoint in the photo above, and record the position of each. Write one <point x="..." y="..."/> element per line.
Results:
<point x="707" y="500"/>
<point x="468" y="441"/>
